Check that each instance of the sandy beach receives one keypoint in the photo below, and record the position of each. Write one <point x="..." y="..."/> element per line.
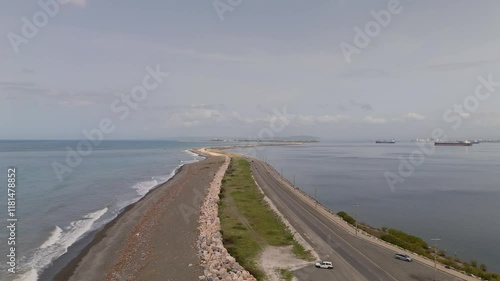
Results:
<point x="153" y="239"/>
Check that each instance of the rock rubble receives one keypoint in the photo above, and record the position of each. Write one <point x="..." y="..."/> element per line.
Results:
<point x="218" y="264"/>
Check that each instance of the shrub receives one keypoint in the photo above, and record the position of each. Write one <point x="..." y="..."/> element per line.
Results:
<point x="346" y="217"/>
<point x="483" y="267"/>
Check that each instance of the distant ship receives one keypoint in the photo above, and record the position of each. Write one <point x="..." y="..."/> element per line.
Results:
<point x="385" y="141"/>
<point x="453" y="143"/>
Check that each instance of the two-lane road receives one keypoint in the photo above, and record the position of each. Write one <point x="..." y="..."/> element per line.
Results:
<point x="353" y="258"/>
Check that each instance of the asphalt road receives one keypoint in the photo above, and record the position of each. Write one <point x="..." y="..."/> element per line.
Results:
<point x="353" y="258"/>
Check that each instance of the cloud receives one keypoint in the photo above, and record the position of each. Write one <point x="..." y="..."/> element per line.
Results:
<point x="328" y="119"/>
<point x="361" y="105"/>
<point x="43" y="96"/>
<point x="341" y="107"/>
<point x="322" y="119"/>
<point x="355" y="104"/>
<point x="75" y="102"/>
<point x="28" y="71"/>
<point x="461" y="65"/>
<point x="465" y="114"/>
<point x="363" y="73"/>
<point x="77" y="3"/>
<point x="8" y="84"/>
<point x="212" y="56"/>
<point x="482" y="120"/>
<point x="374" y="120"/>
<point x="221" y="115"/>
<point x="21" y="90"/>
<point x="482" y="54"/>
<point x="414" y="116"/>
<point x="198" y="115"/>
<point x="486" y="118"/>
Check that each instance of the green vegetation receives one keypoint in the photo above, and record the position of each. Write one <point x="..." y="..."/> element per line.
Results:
<point x="285" y="274"/>
<point x="300" y="252"/>
<point x="406" y="241"/>
<point x="346" y="217"/>
<point x="419" y="246"/>
<point x="247" y="222"/>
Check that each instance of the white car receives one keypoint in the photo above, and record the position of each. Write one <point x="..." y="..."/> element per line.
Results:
<point x="402" y="257"/>
<point x="324" y="264"/>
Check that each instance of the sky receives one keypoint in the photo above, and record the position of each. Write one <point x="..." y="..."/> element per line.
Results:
<point x="252" y="69"/>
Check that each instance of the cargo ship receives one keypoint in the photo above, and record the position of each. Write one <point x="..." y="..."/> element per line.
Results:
<point x="453" y="143"/>
<point x="385" y="141"/>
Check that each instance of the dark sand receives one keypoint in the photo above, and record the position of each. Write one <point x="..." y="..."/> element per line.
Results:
<point x="153" y="239"/>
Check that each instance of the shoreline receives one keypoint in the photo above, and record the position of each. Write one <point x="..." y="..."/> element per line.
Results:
<point x="67" y="270"/>
<point x="134" y="210"/>
<point x="63" y="267"/>
<point x="100" y="234"/>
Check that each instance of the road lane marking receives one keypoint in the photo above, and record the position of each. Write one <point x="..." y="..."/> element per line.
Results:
<point x="301" y="222"/>
<point x="272" y="178"/>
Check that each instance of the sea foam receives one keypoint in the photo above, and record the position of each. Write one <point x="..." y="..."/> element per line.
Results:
<point x="57" y="244"/>
<point x="53" y="238"/>
<point x="196" y="157"/>
<point x="143" y="187"/>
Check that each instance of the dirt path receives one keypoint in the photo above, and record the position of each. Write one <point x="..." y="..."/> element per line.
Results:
<point x="274" y="258"/>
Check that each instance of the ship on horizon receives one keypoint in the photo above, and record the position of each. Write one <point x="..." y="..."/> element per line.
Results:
<point x="386" y="141"/>
<point x="453" y="143"/>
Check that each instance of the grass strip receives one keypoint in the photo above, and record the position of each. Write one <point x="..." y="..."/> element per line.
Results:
<point x="419" y="246"/>
<point x="248" y="223"/>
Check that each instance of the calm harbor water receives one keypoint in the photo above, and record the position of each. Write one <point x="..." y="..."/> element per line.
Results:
<point x="454" y="194"/>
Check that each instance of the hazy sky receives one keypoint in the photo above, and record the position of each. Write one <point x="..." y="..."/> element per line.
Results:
<point x="227" y="76"/>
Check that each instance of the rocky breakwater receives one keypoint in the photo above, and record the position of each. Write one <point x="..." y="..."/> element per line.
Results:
<point x="218" y="264"/>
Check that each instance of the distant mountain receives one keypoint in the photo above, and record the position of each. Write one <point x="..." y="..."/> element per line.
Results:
<point x="298" y="138"/>
<point x="284" y="139"/>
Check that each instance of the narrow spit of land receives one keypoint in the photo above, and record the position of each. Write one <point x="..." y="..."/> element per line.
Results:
<point x="250" y="228"/>
<point x="153" y="239"/>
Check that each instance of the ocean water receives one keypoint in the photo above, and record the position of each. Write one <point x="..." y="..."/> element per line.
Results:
<point x="453" y="195"/>
<point x="53" y="214"/>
